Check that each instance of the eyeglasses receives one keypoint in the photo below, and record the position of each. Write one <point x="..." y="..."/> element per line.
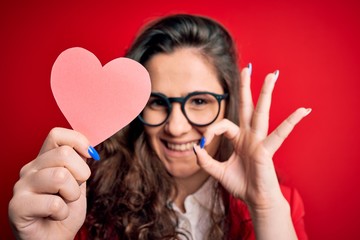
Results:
<point x="199" y="108"/>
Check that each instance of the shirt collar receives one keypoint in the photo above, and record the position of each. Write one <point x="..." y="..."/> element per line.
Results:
<point x="203" y="197"/>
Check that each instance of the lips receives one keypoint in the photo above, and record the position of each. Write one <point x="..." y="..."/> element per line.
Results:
<point x="180" y="147"/>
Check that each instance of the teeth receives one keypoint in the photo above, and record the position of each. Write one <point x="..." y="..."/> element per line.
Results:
<point x="181" y="147"/>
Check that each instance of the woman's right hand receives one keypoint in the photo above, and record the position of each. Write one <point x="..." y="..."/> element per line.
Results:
<point x="49" y="200"/>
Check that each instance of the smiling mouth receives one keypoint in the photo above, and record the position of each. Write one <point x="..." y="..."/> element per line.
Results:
<point x="183" y="147"/>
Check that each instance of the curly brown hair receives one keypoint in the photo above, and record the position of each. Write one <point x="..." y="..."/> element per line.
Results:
<point x="129" y="191"/>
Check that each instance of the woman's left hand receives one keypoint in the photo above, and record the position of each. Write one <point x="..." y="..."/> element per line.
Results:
<point x="249" y="173"/>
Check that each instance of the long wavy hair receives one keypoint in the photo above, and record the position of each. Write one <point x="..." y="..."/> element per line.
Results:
<point x="129" y="191"/>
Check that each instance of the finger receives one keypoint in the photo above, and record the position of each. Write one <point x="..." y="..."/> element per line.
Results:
<point x="29" y="206"/>
<point x="210" y="165"/>
<point x="229" y="129"/>
<point x="62" y="136"/>
<point x="277" y="137"/>
<point x="63" y="156"/>
<point x="260" y="120"/>
<point x="56" y="180"/>
<point x="245" y="99"/>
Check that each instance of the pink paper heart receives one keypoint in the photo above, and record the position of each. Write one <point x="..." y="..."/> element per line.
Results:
<point x="98" y="100"/>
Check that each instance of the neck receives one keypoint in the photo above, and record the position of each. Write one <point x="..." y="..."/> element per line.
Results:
<point x="188" y="186"/>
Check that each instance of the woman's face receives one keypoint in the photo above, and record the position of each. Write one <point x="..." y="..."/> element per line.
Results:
<point x="176" y="75"/>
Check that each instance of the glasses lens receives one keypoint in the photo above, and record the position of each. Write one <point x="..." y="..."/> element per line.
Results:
<point x="201" y="109"/>
<point x="155" y="111"/>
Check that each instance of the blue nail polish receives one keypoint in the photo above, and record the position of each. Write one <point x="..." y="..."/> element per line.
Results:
<point x="93" y="153"/>
<point x="250" y="68"/>
<point x="202" y="142"/>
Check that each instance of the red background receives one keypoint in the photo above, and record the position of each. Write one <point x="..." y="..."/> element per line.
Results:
<point x="314" y="44"/>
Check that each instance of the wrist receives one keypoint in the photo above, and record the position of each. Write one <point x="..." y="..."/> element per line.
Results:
<point x="273" y="221"/>
<point x="274" y="206"/>
<point x="264" y="200"/>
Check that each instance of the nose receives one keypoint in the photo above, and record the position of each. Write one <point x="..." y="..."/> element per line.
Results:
<point x="177" y="124"/>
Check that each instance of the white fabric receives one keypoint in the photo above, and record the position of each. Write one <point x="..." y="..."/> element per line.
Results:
<point x="195" y="221"/>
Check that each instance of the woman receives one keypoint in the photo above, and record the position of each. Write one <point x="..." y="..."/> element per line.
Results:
<point x="196" y="163"/>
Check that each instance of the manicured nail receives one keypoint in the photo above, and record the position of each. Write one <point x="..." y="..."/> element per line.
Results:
<point x="202" y="142"/>
<point x="194" y="150"/>
<point x="250" y="68"/>
<point x="308" y="111"/>
<point x="276" y="74"/>
<point x="93" y="153"/>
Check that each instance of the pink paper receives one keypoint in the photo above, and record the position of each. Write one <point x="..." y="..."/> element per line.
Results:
<point x="98" y="100"/>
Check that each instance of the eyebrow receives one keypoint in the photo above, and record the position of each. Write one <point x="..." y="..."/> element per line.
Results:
<point x="184" y="95"/>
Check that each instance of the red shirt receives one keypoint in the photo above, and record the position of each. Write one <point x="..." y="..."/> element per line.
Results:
<point x="242" y="226"/>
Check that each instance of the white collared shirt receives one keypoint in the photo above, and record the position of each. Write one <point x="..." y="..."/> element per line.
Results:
<point x="195" y="221"/>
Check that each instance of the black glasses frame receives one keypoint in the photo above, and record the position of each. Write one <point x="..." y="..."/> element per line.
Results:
<point x="182" y="101"/>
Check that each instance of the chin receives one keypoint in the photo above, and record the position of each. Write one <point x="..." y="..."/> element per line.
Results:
<point x="184" y="172"/>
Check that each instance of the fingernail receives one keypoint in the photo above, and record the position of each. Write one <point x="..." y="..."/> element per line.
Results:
<point x="250" y="68"/>
<point x="194" y="150"/>
<point x="308" y="111"/>
<point x="93" y="153"/>
<point x="276" y="74"/>
<point x="202" y="142"/>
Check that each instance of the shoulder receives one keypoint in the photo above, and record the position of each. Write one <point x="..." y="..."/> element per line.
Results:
<point x="297" y="210"/>
<point x="295" y="201"/>
<point x="291" y="195"/>
<point x="241" y="224"/>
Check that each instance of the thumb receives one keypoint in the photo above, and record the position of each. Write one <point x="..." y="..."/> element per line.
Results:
<point x="210" y="165"/>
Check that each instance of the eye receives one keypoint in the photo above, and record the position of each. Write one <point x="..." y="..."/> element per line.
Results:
<point x="156" y="102"/>
<point x="198" y="101"/>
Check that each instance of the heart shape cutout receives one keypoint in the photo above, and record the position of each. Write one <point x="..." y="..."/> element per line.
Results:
<point x="98" y="100"/>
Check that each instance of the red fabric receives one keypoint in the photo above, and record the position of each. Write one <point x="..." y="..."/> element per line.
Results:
<point x="242" y="227"/>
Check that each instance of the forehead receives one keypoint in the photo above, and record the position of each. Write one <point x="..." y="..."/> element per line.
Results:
<point x="183" y="71"/>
